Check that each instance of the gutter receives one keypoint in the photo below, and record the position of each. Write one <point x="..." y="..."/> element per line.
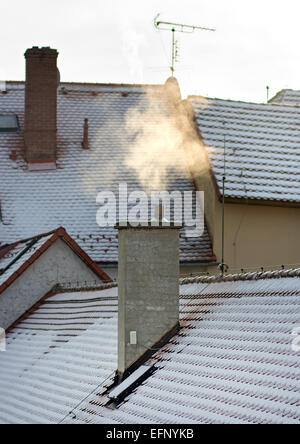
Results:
<point x="182" y="264"/>
<point x="261" y="202"/>
<point x="200" y="264"/>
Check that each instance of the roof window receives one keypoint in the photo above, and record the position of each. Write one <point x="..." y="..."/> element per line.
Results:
<point x="9" y="123"/>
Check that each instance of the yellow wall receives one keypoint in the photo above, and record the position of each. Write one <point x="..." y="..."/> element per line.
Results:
<point x="258" y="236"/>
<point x="255" y="235"/>
<point x="197" y="270"/>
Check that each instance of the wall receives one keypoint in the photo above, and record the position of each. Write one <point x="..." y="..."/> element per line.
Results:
<point x="184" y="270"/>
<point x="204" y="183"/>
<point x="58" y="264"/>
<point x="198" y="270"/>
<point x="112" y="271"/>
<point x="255" y="235"/>
<point x="258" y="235"/>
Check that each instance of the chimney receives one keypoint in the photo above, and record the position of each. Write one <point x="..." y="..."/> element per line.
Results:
<point x="148" y="292"/>
<point x="41" y="108"/>
<point x="3" y="88"/>
<point x="85" y="141"/>
<point x="173" y="91"/>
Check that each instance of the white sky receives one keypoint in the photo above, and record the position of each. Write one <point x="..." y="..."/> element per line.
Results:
<point x="256" y="43"/>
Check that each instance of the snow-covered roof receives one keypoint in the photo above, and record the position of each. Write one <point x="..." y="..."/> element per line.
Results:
<point x="57" y="356"/>
<point x="262" y="147"/>
<point x="286" y="97"/>
<point x="232" y="361"/>
<point x="17" y="257"/>
<point x="34" y="202"/>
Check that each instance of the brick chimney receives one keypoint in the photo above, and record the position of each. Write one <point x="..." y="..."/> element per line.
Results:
<point x="41" y="108"/>
<point x="148" y="292"/>
<point x="85" y="141"/>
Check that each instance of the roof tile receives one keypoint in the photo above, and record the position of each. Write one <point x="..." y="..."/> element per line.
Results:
<point x="232" y="361"/>
<point x="34" y="202"/>
<point x="262" y="147"/>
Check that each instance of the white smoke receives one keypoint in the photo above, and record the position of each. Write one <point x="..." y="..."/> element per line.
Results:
<point x="131" y="44"/>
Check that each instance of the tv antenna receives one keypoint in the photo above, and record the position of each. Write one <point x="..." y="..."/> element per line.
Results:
<point x="176" y="27"/>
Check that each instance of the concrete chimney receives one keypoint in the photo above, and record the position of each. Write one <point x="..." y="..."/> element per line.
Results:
<point x="148" y="292"/>
<point x="41" y="108"/>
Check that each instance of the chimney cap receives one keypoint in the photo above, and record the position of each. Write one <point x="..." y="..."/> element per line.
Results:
<point x="157" y="222"/>
<point x="35" y="51"/>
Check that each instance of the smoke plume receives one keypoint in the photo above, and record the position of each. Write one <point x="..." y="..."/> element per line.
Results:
<point x="166" y="140"/>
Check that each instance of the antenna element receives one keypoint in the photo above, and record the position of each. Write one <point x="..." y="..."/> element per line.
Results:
<point x="176" y="27"/>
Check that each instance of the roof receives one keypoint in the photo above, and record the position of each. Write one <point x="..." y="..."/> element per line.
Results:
<point x="262" y="148"/>
<point x="232" y="361"/>
<point x="57" y="356"/>
<point x="40" y="201"/>
<point x="286" y="97"/>
<point x="17" y="257"/>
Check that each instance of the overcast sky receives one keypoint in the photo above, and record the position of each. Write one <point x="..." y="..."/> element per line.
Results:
<point x="256" y="43"/>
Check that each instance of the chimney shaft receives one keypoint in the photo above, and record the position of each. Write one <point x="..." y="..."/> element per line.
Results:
<point x="41" y="106"/>
<point x="148" y="291"/>
<point x="85" y="141"/>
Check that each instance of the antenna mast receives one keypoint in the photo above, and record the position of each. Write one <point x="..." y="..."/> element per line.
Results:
<point x="223" y="265"/>
<point x="176" y="27"/>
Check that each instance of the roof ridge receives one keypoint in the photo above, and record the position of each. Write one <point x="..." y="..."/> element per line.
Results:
<point x="269" y="104"/>
<point x="61" y="289"/>
<point x="37" y="237"/>
<point x="195" y="96"/>
<point x="140" y="85"/>
<point x="59" y="233"/>
<point x="251" y="276"/>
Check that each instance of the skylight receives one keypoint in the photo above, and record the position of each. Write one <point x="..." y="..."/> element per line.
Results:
<point x="9" y="123"/>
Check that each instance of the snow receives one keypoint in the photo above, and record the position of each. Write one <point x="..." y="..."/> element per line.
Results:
<point x="38" y="202"/>
<point x="262" y="147"/>
<point x="232" y="361"/>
